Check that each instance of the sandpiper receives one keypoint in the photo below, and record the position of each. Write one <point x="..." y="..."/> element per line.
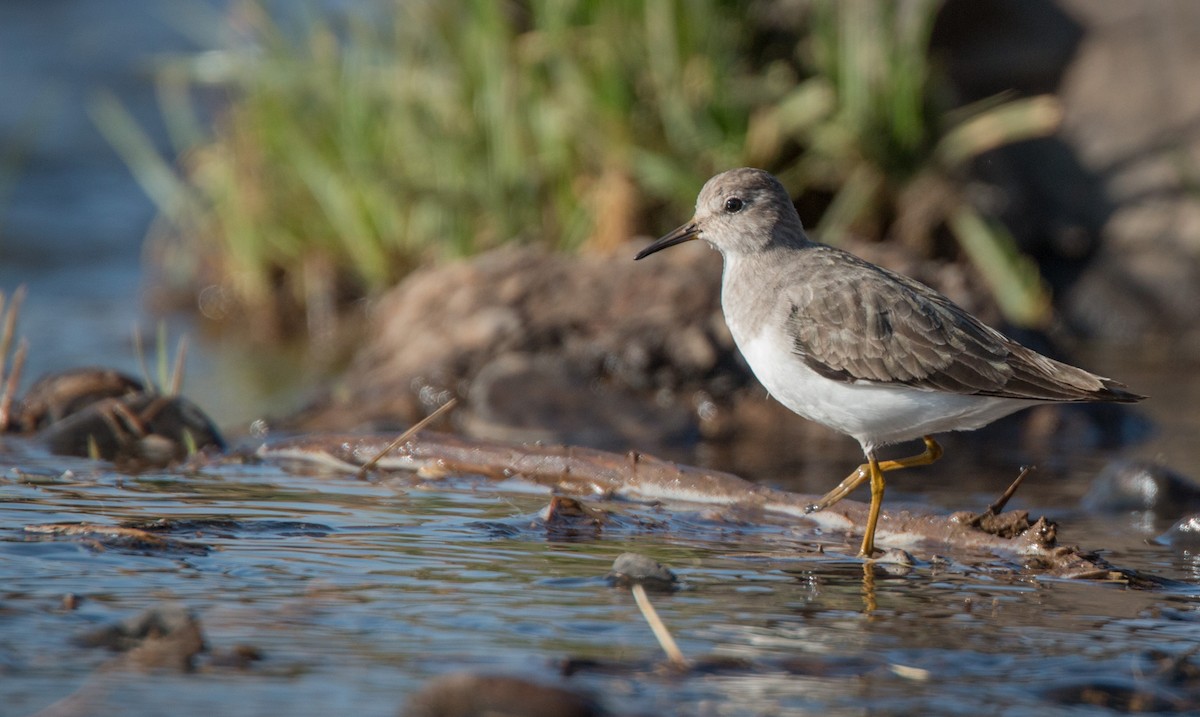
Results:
<point x="863" y="350"/>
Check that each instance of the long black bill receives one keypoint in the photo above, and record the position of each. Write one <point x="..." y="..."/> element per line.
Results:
<point x="687" y="232"/>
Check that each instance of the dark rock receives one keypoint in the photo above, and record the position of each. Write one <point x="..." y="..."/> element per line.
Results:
<point x="238" y="657"/>
<point x="55" y="396"/>
<point x="523" y="397"/>
<point x="1128" y="485"/>
<point x="1103" y="205"/>
<point x="1146" y="277"/>
<point x="1183" y="535"/>
<point x="135" y="431"/>
<point x="570" y="519"/>
<point x="467" y="695"/>
<point x="1159" y="682"/>
<point x="993" y="46"/>
<point x="162" y="637"/>
<point x="1121" y="697"/>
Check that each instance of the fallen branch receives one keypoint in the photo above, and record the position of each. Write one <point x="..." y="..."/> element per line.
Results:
<point x="586" y="472"/>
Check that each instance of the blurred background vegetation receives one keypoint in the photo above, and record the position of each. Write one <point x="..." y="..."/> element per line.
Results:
<point x="353" y="148"/>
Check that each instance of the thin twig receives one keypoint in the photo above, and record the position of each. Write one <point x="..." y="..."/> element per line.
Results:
<point x="160" y="353"/>
<point x="10" y="323"/>
<point x="366" y="468"/>
<point x="177" y="369"/>
<point x="674" y="654"/>
<point x="14" y="310"/>
<point x="4" y="341"/>
<point x="10" y="376"/>
<point x="10" y="384"/>
<point x="995" y="508"/>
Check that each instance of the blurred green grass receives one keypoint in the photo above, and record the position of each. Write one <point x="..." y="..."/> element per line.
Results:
<point x="369" y="143"/>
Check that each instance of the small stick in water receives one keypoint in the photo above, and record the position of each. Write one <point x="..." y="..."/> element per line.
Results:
<point x="674" y="654"/>
<point x="637" y="571"/>
<point x="995" y="508"/>
<point x="366" y="467"/>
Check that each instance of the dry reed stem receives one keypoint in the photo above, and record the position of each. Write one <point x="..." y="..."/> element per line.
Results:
<point x="177" y="369"/>
<point x="366" y="467"/>
<point x="674" y="654"/>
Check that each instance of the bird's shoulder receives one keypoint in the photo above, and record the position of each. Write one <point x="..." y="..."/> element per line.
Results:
<point x="851" y="320"/>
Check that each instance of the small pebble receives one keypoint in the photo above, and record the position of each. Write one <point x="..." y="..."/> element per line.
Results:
<point x="630" y="568"/>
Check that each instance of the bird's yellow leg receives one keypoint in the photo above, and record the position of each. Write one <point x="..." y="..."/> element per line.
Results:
<point x="932" y="452"/>
<point x="877" y="483"/>
<point x="862" y="474"/>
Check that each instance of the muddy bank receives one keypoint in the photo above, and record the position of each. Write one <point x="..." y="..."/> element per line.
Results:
<point x="541" y="345"/>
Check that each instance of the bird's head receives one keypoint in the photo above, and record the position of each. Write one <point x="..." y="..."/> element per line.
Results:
<point x="741" y="211"/>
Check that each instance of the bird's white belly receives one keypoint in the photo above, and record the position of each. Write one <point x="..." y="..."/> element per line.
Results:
<point x="872" y="413"/>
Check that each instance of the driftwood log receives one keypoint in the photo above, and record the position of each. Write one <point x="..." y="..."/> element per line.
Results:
<point x="585" y="472"/>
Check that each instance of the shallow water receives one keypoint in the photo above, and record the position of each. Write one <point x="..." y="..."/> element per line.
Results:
<point x="357" y="592"/>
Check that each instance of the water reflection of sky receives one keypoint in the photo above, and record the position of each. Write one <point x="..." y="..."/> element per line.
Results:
<point x="72" y="217"/>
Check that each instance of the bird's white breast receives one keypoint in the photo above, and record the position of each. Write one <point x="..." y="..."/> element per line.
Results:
<point x="872" y="413"/>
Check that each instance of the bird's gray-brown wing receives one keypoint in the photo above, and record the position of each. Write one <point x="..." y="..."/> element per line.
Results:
<point x="852" y="321"/>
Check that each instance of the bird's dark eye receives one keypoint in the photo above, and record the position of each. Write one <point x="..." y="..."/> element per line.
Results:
<point x="733" y="205"/>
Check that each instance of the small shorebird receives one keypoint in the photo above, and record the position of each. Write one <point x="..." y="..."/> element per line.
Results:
<point x="865" y="351"/>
